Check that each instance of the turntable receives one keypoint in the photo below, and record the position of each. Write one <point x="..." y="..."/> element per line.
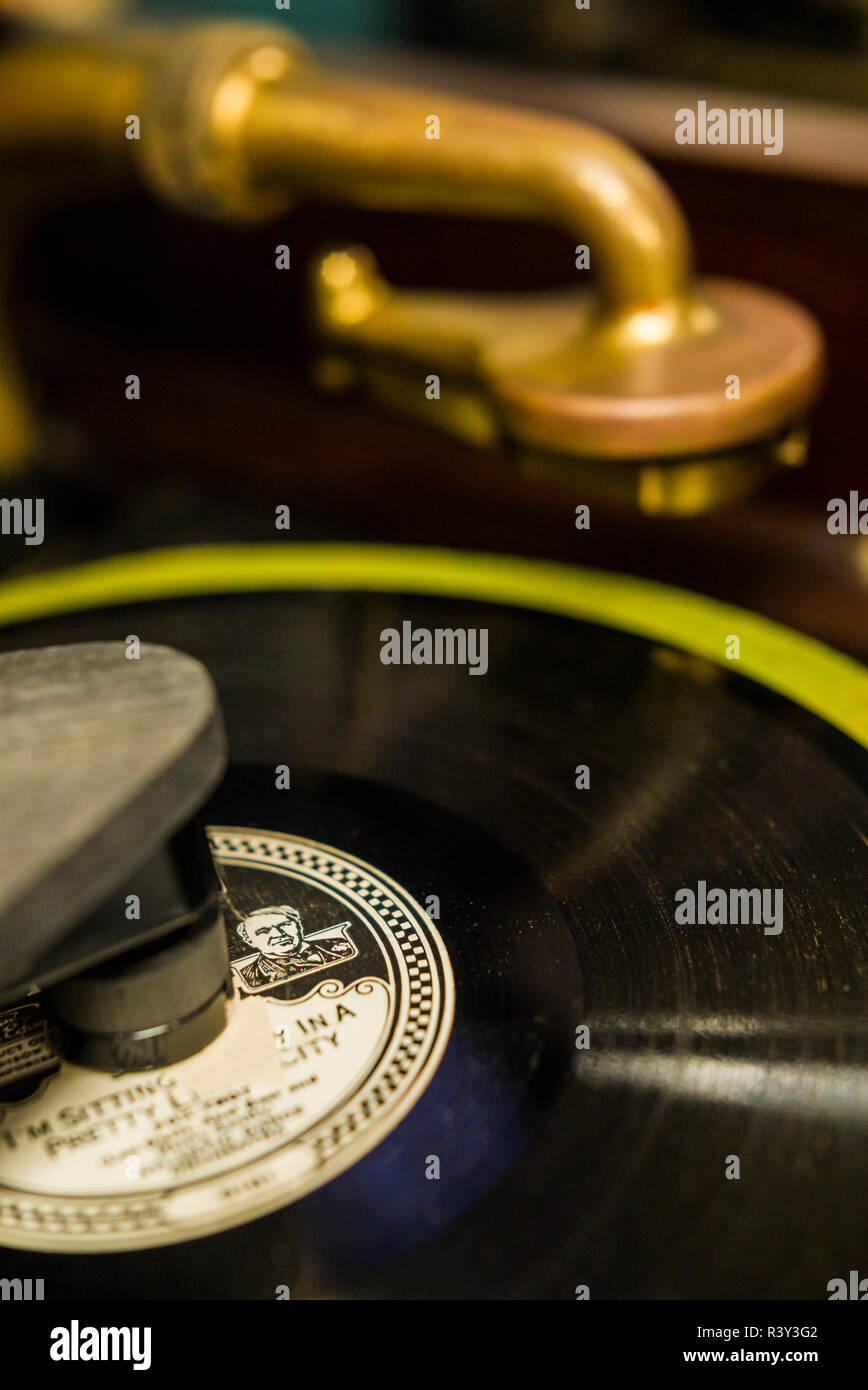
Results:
<point x="414" y="921"/>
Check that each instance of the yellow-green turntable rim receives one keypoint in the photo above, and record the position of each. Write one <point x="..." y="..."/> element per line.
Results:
<point x="830" y="685"/>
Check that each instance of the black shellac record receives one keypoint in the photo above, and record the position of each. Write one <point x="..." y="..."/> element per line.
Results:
<point x="558" y="1166"/>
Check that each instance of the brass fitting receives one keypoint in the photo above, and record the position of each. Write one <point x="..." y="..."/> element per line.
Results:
<point x="626" y="384"/>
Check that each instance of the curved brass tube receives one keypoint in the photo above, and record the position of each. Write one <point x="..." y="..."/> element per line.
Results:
<point x="368" y="145"/>
<point x="237" y="122"/>
<point x="69" y="98"/>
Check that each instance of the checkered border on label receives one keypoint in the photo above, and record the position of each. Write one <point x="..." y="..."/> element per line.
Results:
<point x="420" y="1031"/>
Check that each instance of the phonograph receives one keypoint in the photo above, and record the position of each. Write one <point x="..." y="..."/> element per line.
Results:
<point x="435" y="786"/>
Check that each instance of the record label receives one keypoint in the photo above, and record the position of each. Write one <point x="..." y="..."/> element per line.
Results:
<point x="343" y="1003"/>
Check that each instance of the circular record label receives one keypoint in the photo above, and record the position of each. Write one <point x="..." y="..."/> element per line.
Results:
<point x="343" y="1002"/>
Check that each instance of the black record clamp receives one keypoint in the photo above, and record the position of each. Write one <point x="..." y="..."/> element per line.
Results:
<point x="109" y="900"/>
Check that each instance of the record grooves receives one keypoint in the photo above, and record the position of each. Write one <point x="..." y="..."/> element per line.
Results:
<point x="556" y="907"/>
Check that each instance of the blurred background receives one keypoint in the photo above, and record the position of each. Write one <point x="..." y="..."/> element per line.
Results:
<point x="809" y="47"/>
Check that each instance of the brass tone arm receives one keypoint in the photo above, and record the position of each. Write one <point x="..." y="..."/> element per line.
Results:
<point x="626" y="384"/>
<point x="368" y="145"/>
